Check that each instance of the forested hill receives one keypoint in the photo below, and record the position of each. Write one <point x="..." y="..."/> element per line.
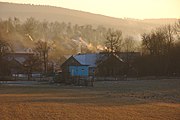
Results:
<point x="128" y="26"/>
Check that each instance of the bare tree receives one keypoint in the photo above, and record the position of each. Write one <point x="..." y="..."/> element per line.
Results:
<point x="177" y="29"/>
<point x="129" y="44"/>
<point x="114" y="41"/>
<point x="29" y="27"/>
<point x="32" y="63"/>
<point x="147" y="43"/>
<point x="42" y="48"/>
<point x="159" y="41"/>
<point x="159" y="44"/>
<point x="5" y="47"/>
<point x="169" y="37"/>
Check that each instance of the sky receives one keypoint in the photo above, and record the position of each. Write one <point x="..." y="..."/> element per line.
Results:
<point x="138" y="9"/>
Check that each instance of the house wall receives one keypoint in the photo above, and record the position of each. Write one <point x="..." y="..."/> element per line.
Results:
<point x="111" y="67"/>
<point x="78" y="70"/>
<point x="92" y="71"/>
<point x="66" y="65"/>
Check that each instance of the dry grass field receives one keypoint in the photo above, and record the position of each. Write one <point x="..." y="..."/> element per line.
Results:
<point x="117" y="100"/>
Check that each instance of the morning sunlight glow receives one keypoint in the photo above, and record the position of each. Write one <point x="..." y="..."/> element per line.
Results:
<point x="139" y="9"/>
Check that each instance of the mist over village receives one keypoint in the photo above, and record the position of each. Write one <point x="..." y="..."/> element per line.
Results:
<point x="60" y="60"/>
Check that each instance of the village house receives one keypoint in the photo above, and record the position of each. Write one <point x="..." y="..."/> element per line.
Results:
<point x="16" y="62"/>
<point x="80" y="65"/>
<point x="98" y="64"/>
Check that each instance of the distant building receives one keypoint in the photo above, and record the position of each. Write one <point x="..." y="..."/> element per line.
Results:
<point x="16" y="62"/>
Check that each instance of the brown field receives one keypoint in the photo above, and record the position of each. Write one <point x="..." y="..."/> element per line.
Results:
<point x="118" y="100"/>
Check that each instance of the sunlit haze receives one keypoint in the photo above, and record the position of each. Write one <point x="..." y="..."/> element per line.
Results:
<point x="139" y="9"/>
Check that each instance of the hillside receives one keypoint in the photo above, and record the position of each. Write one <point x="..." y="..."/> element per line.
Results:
<point x="128" y="26"/>
<point x="70" y="31"/>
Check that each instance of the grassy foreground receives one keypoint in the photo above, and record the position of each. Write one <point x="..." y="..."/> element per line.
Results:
<point x="117" y="100"/>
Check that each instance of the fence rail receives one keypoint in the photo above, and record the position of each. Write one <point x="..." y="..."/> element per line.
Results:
<point x="16" y="78"/>
<point x="111" y="78"/>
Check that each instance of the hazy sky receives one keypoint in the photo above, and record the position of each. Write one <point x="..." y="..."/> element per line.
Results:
<point x="117" y="8"/>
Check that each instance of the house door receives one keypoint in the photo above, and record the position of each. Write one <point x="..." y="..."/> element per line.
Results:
<point x="72" y="72"/>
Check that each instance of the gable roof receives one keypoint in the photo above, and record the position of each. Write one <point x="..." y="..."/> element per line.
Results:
<point x="118" y="57"/>
<point x="69" y="61"/>
<point x="87" y="59"/>
<point x="19" y="57"/>
<point x="109" y="57"/>
<point x="94" y="59"/>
